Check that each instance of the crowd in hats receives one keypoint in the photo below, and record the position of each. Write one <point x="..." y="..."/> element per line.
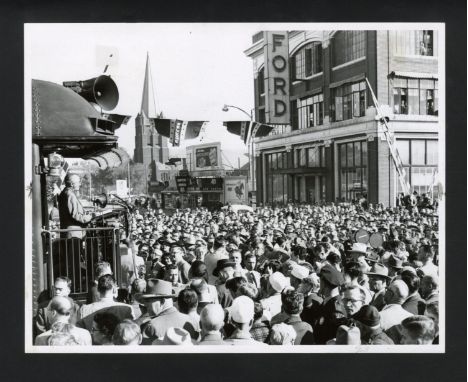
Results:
<point x="329" y="274"/>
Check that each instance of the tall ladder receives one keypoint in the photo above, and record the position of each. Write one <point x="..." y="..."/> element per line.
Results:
<point x="405" y="186"/>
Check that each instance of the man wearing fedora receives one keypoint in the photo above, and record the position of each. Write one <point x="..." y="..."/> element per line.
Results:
<point x="367" y="319"/>
<point x="158" y="301"/>
<point x="224" y="271"/>
<point x="378" y="280"/>
<point x="331" y="312"/>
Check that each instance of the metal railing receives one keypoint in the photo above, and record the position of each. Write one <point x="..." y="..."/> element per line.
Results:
<point x="76" y="258"/>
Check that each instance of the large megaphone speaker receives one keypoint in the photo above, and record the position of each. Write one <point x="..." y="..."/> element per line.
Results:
<point x="100" y="90"/>
<point x="100" y="200"/>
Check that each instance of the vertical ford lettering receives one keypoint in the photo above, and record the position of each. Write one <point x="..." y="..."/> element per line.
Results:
<point x="276" y="78"/>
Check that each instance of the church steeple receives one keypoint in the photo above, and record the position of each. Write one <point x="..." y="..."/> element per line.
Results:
<point x="147" y="100"/>
<point x="150" y="147"/>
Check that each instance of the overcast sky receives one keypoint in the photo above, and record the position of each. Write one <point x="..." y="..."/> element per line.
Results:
<point x="196" y="68"/>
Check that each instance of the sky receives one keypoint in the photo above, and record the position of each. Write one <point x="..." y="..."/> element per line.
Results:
<point x="195" y="68"/>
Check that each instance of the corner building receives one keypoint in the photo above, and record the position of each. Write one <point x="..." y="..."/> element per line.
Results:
<point x="334" y="147"/>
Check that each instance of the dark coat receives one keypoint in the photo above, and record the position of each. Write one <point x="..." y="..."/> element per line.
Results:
<point x="331" y="316"/>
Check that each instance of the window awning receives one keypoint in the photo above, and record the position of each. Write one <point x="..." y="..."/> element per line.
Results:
<point x="355" y="78"/>
<point x="422" y="75"/>
<point x="110" y="159"/>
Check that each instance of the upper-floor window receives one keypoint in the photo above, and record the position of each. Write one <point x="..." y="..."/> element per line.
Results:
<point x="307" y="112"/>
<point x="307" y="61"/>
<point x="419" y="43"/>
<point x="348" y="46"/>
<point x="348" y="101"/>
<point x="415" y="96"/>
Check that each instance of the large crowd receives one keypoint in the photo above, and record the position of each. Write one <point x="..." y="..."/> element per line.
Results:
<point x="286" y="275"/>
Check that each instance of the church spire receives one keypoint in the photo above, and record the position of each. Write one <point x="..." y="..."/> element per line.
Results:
<point x="146" y="100"/>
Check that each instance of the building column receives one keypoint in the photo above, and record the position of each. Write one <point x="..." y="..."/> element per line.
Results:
<point x="329" y="174"/>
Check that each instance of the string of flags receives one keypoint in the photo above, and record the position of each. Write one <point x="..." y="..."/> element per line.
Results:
<point x="178" y="130"/>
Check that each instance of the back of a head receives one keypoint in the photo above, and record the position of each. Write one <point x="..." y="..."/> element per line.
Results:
<point x="411" y="280"/>
<point x="292" y="302"/>
<point x="105" y="283"/>
<point x="187" y="300"/>
<point x="418" y="329"/>
<point x="102" y="268"/>
<point x="198" y="269"/>
<point x="219" y="242"/>
<point x="353" y="270"/>
<point x="127" y="333"/>
<point x="212" y="318"/>
<point x="138" y="286"/>
<point x="400" y="292"/>
<point x="61" y="305"/>
<point x="282" y="334"/>
<point x="248" y="290"/>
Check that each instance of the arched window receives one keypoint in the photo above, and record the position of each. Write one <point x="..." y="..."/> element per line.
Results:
<point x="307" y="61"/>
<point x="348" y="46"/>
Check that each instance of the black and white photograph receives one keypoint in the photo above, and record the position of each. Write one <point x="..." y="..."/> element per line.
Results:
<point x="234" y="187"/>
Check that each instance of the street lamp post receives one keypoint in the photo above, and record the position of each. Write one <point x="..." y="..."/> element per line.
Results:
<point x="250" y="143"/>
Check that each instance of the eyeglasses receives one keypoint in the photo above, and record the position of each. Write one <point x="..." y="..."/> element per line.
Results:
<point x="350" y="300"/>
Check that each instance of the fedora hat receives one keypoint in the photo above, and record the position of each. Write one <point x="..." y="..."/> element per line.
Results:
<point x="175" y="336"/>
<point x="359" y="248"/>
<point x="395" y="262"/>
<point x="379" y="270"/>
<point x="156" y="288"/>
<point x="223" y="263"/>
<point x="346" y="335"/>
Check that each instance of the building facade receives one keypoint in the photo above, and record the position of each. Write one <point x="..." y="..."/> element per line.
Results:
<point x="334" y="147"/>
<point x="150" y="147"/>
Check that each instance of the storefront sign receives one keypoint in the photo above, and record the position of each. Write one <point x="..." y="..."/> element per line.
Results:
<point x="235" y="190"/>
<point x="276" y="53"/>
<point x="182" y="183"/>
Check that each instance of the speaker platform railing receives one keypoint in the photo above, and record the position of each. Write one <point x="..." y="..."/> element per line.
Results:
<point x="76" y="258"/>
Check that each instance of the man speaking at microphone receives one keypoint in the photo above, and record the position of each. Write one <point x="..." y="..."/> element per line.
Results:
<point x="72" y="218"/>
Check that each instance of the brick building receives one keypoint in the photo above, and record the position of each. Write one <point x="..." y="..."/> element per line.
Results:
<point x="334" y="148"/>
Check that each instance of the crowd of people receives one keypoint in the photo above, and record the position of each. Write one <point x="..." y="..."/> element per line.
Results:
<point x="285" y="275"/>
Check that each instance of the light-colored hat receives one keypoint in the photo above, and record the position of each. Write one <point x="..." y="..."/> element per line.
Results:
<point x="299" y="271"/>
<point x="346" y="335"/>
<point x="278" y="281"/>
<point x="359" y="248"/>
<point x="177" y="336"/>
<point x="242" y="310"/>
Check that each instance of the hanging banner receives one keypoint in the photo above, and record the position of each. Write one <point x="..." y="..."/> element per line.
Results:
<point x="276" y="52"/>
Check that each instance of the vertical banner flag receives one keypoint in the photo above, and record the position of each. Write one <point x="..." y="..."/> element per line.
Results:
<point x="276" y="53"/>
<point x="406" y="187"/>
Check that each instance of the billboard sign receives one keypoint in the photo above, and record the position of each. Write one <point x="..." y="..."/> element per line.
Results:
<point x="277" y="108"/>
<point x="235" y="190"/>
<point x="207" y="158"/>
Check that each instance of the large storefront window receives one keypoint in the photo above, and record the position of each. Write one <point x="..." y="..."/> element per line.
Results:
<point x="276" y="183"/>
<point x="420" y="158"/>
<point x="353" y="175"/>
<point x="310" y="157"/>
<point x="415" y="96"/>
<point x="348" y="46"/>
<point x="307" y="61"/>
<point x="410" y="43"/>
<point x="348" y="101"/>
<point x="308" y="112"/>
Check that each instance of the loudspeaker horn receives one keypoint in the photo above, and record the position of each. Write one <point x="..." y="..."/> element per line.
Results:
<point x="100" y="90"/>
